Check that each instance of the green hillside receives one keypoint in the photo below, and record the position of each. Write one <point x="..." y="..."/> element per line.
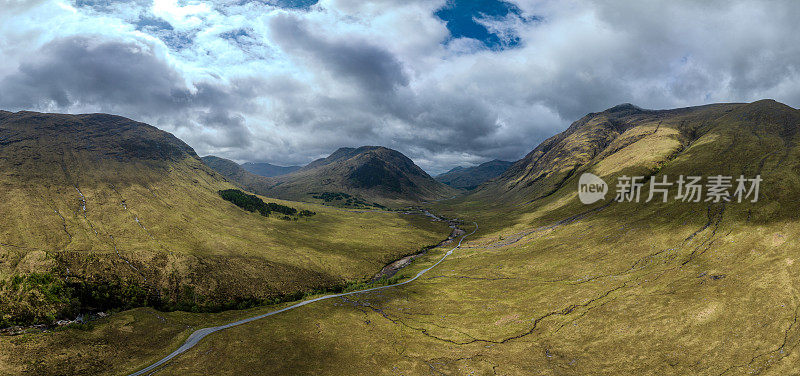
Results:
<point x="102" y="212"/>
<point x="555" y="287"/>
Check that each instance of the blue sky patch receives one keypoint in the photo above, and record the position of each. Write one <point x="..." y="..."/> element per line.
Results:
<point x="287" y="4"/>
<point x="162" y="29"/>
<point x="152" y="24"/>
<point x="295" y="4"/>
<point x="461" y="16"/>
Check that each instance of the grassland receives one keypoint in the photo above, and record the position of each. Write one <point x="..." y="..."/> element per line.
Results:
<point x="626" y="304"/>
<point x="223" y="252"/>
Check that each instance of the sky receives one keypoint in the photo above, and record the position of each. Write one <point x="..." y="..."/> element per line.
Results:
<point x="446" y="82"/>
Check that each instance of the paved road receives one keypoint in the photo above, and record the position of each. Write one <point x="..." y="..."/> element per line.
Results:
<point x="198" y="335"/>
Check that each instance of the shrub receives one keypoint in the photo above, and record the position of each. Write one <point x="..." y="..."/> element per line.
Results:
<point x="306" y="213"/>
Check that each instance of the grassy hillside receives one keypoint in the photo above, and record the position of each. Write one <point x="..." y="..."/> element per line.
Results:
<point x="237" y="175"/>
<point x="111" y="213"/>
<point x="648" y="288"/>
<point x="623" y="140"/>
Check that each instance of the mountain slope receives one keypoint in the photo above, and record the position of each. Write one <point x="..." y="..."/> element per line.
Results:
<point x="472" y="177"/>
<point x="268" y="170"/>
<point x="371" y="173"/>
<point x="103" y="202"/>
<point x="599" y="136"/>
<point x="729" y="139"/>
<point x="238" y="174"/>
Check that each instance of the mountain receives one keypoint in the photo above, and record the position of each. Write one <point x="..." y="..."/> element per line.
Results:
<point x="644" y="279"/>
<point x="269" y="170"/>
<point x="374" y="173"/>
<point x="237" y="174"/>
<point x="614" y="140"/>
<point x="103" y="212"/>
<point x="472" y="177"/>
<point x="362" y="176"/>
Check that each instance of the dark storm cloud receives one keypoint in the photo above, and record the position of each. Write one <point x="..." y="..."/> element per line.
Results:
<point x="358" y="61"/>
<point x="228" y="130"/>
<point x="79" y="70"/>
<point x="385" y="111"/>
<point x="86" y="72"/>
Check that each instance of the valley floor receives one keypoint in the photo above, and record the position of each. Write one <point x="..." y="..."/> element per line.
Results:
<point x="607" y="293"/>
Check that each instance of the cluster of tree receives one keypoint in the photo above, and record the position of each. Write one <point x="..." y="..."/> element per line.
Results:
<point x="283" y="209"/>
<point x="254" y="204"/>
<point x="43" y="298"/>
<point x="344" y="199"/>
<point x="332" y="196"/>
<point x="35" y="298"/>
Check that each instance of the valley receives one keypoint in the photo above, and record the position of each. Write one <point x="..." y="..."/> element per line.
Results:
<point x="537" y="282"/>
<point x="98" y="230"/>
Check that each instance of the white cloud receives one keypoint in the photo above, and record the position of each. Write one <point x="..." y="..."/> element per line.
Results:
<point x="185" y="17"/>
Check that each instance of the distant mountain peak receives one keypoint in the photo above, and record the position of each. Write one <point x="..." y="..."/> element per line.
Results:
<point x="624" y="107"/>
<point x="238" y="174"/>
<point x="346" y="153"/>
<point x="455" y="169"/>
<point x="351" y="150"/>
<point x="375" y="173"/>
<point x="472" y="177"/>
<point x="269" y="170"/>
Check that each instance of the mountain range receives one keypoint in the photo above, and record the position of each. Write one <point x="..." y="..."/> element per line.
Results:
<point x="367" y="175"/>
<point x="471" y="177"/>
<point x="268" y="170"/>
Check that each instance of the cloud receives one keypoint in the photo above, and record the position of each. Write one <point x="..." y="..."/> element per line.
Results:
<point x="85" y="70"/>
<point x="446" y="82"/>
<point x="89" y="73"/>
<point x="351" y="59"/>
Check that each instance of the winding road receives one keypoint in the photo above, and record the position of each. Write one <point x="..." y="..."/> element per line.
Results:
<point x="198" y="335"/>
